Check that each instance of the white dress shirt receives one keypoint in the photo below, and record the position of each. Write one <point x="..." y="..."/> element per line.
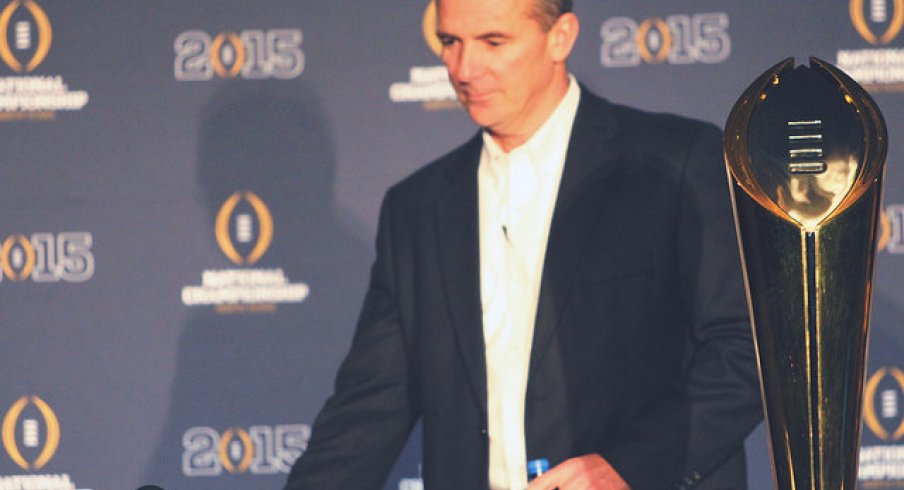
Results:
<point x="517" y="193"/>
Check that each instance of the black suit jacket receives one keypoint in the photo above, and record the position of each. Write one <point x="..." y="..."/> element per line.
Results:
<point x="642" y="349"/>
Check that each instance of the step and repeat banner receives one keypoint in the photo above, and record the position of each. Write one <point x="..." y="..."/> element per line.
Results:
<point x="189" y="193"/>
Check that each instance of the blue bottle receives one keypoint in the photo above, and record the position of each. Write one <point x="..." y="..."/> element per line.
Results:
<point x="536" y="467"/>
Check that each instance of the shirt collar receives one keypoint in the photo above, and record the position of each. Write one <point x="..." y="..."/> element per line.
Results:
<point x="547" y="143"/>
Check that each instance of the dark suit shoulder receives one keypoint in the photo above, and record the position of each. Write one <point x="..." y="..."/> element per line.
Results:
<point x="639" y="132"/>
<point x="435" y="176"/>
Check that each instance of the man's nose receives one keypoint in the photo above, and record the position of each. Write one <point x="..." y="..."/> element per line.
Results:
<point x="469" y="64"/>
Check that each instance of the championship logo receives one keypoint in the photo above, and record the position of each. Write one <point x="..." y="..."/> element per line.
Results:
<point x="244" y="231"/>
<point x="878" y="66"/>
<point x="882" y="453"/>
<point x="236" y="450"/>
<point x="23" y="35"/>
<point x="47" y="257"/>
<point x="882" y="404"/>
<point x="17" y="257"/>
<point x="885" y="232"/>
<point x="429" y="28"/>
<point x="26" y="36"/>
<point x="244" y="224"/>
<point x="30" y="432"/>
<point x="891" y="229"/>
<point x="258" y="450"/>
<point x="679" y="39"/>
<point x="428" y="85"/>
<point x="250" y="54"/>
<point x="22" y="433"/>
<point x="867" y="20"/>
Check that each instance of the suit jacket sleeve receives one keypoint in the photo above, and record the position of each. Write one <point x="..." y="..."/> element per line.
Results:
<point x="363" y="426"/>
<point x="719" y="403"/>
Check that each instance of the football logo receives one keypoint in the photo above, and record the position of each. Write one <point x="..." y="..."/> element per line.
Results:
<point x="654" y="40"/>
<point x="22" y="35"/>
<point x="236" y="456"/>
<point x="17" y="257"/>
<point x="889" y="404"/>
<point x="878" y="15"/>
<point x="30" y="432"/>
<point x="885" y="231"/>
<point x="244" y="228"/>
<point x="227" y="55"/>
<point x="429" y="27"/>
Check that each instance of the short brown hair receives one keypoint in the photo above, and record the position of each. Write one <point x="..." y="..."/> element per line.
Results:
<point x="548" y="11"/>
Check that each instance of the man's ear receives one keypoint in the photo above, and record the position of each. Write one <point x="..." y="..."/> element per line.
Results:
<point x="562" y="36"/>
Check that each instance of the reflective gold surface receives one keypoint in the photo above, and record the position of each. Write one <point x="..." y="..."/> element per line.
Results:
<point x="805" y="150"/>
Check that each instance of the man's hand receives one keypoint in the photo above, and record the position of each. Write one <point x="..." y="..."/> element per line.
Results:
<point x="587" y="472"/>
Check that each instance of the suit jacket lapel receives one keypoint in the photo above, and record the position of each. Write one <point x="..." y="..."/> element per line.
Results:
<point x="457" y="219"/>
<point x="590" y="157"/>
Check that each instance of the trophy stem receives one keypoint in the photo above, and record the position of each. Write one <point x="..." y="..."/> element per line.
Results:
<point x="814" y="360"/>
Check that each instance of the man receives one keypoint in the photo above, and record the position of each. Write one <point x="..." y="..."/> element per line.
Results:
<point x="563" y="286"/>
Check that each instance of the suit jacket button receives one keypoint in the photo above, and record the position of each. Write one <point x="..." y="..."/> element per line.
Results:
<point x="483" y="432"/>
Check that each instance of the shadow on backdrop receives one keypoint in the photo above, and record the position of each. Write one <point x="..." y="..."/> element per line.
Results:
<point x="246" y="382"/>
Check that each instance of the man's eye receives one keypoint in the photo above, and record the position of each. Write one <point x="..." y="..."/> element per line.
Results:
<point x="495" y="42"/>
<point x="445" y="41"/>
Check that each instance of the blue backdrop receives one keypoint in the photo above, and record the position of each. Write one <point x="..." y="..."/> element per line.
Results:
<point x="189" y="192"/>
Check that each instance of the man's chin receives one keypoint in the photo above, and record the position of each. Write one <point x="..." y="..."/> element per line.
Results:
<point x="480" y="118"/>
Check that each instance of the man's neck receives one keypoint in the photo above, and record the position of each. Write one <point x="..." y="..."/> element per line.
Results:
<point x="509" y="140"/>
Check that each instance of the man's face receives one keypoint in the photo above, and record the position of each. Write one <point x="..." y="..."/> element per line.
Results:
<point x="499" y="61"/>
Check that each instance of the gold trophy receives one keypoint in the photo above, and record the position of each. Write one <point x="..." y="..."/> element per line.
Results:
<point x="805" y="149"/>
